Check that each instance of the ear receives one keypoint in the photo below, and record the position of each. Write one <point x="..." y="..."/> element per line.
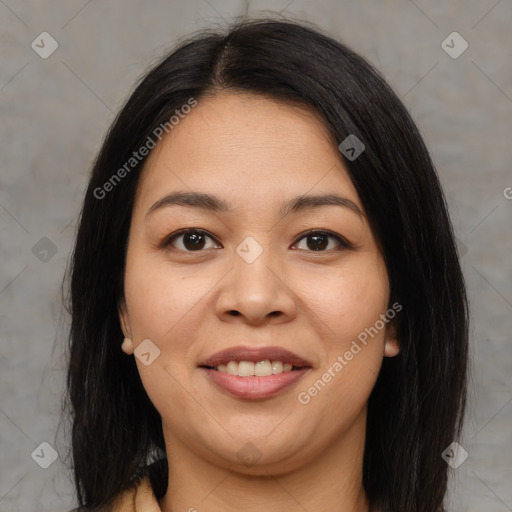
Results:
<point x="127" y="345"/>
<point x="124" y="318"/>
<point x="391" y="344"/>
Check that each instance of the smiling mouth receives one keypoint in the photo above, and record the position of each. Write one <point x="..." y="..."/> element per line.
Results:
<point x="249" y="380"/>
<point x="264" y="368"/>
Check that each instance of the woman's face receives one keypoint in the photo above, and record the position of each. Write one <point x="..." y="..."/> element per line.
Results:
<point x="249" y="276"/>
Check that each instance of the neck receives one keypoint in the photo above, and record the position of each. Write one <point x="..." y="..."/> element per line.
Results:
<point x="330" y="481"/>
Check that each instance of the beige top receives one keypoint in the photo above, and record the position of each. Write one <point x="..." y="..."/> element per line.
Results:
<point x="138" y="498"/>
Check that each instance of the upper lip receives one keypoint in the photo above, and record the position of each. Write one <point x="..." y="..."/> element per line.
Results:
<point x="255" y="354"/>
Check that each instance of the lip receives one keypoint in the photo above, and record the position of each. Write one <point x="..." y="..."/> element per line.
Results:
<point x="255" y="354"/>
<point x="255" y="388"/>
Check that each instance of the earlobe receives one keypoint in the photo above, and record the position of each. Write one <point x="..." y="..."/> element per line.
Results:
<point x="391" y="346"/>
<point x="127" y="346"/>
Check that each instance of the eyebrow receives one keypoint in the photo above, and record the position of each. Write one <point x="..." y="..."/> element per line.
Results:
<point x="209" y="202"/>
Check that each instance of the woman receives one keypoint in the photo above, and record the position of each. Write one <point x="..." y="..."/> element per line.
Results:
<point x="265" y="238"/>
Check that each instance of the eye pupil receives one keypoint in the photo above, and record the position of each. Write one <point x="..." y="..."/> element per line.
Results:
<point x="320" y="242"/>
<point x="193" y="240"/>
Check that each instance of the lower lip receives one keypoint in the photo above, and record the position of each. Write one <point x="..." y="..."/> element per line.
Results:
<point x="254" y="388"/>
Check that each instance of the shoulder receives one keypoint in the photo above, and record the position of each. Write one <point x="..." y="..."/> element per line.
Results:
<point x="139" y="496"/>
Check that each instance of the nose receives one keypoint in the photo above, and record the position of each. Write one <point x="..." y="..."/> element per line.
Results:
<point x="256" y="292"/>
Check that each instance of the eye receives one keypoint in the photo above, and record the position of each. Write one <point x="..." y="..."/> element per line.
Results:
<point x="318" y="241"/>
<point x="193" y="240"/>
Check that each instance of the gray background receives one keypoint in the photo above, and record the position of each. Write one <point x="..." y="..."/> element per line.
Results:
<point x="55" y="112"/>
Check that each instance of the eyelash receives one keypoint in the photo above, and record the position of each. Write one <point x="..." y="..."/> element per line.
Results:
<point x="343" y="242"/>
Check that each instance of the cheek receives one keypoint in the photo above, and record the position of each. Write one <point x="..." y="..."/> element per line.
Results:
<point x="348" y="300"/>
<point x="351" y="357"/>
<point x="160" y="301"/>
<point x="347" y="303"/>
<point x="164" y="307"/>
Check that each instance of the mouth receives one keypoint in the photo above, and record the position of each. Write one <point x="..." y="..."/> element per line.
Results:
<point x="254" y="373"/>
<point x="264" y="368"/>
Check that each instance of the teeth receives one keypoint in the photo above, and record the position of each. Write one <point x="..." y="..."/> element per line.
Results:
<point x="259" y="369"/>
<point x="245" y="368"/>
<point x="277" y="367"/>
<point x="262" y="369"/>
<point x="232" y="368"/>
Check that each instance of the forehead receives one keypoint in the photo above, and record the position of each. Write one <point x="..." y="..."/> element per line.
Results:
<point x="249" y="149"/>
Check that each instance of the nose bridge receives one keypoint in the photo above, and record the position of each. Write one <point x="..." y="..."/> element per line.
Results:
<point x="252" y="266"/>
<point x="255" y="288"/>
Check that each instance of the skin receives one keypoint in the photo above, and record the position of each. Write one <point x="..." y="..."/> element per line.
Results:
<point x="255" y="153"/>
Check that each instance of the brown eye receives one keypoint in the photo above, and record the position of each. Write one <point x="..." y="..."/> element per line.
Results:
<point x="318" y="241"/>
<point x="192" y="240"/>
